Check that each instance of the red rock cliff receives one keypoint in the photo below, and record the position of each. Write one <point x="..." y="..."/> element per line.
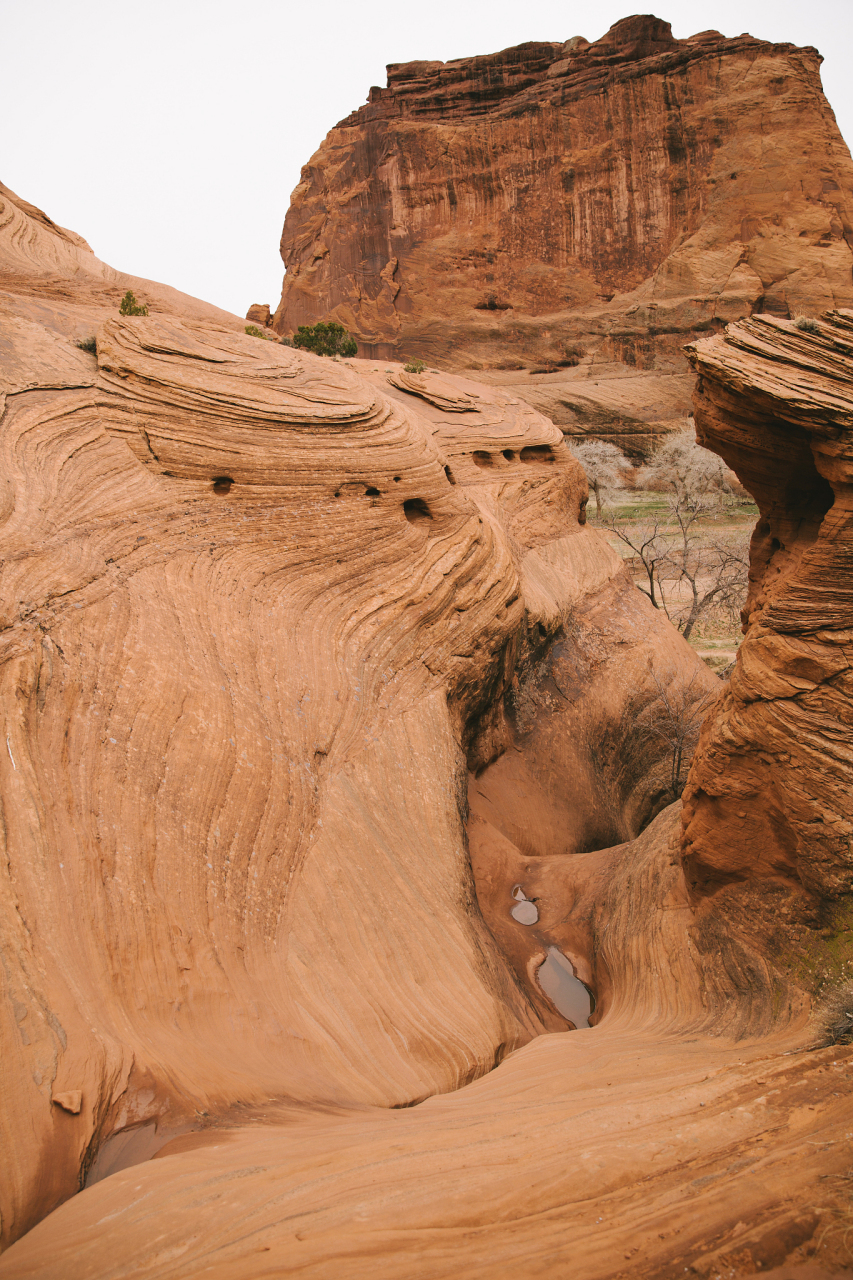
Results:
<point x="568" y="201"/>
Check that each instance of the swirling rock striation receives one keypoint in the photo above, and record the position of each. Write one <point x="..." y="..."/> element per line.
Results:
<point x="305" y="665"/>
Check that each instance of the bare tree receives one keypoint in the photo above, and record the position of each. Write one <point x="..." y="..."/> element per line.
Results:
<point x="674" y="717"/>
<point x="648" y="543"/>
<point x="715" y="570"/>
<point x="681" y="466"/>
<point x="604" y="465"/>
<point x="675" y="553"/>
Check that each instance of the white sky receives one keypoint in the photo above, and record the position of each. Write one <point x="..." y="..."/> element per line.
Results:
<point x="170" y="133"/>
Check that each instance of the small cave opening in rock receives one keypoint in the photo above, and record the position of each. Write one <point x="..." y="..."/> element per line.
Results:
<point x="509" y="454"/>
<point x="537" y="453"/>
<point x="449" y="475"/>
<point x="483" y="459"/>
<point x="222" y="484"/>
<point x="416" y="511"/>
<point x="492" y="304"/>
<point x="371" y="492"/>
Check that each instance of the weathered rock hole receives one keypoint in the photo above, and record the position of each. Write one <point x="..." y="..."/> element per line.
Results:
<point x="483" y="459"/>
<point x="537" y="453"/>
<point x="371" y="492"/>
<point x="416" y="511"/>
<point x="449" y="475"/>
<point x="509" y="454"/>
<point x="571" y="997"/>
<point x="222" y="484"/>
<point x="337" y="493"/>
<point x="396" y="479"/>
<point x="492" y="304"/>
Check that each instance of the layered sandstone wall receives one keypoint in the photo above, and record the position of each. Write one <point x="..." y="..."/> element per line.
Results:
<point x="768" y="817"/>
<point x="584" y="207"/>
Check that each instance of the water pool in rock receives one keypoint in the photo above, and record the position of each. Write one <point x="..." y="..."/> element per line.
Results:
<point x="557" y="979"/>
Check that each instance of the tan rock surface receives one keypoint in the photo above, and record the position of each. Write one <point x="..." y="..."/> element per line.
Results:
<point x="594" y="205"/>
<point x="269" y="620"/>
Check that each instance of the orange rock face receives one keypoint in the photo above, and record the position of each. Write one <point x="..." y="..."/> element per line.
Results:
<point x="768" y="816"/>
<point x="580" y="208"/>
<point x="259" y="313"/>
<point x="308" y="669"/>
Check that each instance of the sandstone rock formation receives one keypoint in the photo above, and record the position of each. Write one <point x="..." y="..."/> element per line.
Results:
<point x="259" y="313"/>
<point x="309" y="667"/>
<point x="768" y="812"/>
<point x="584" y="208"/>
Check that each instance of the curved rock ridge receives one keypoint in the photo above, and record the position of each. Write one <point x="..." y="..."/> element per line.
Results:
<point x="582" y="208"/>
<point x="38" y="258"/>
<point x="307" y="669"/>
<point x="768" y="816"/>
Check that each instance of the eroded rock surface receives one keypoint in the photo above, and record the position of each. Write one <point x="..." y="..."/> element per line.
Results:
<point x="575" y="204"/>
<point x="768" y="813"/>
<point x="306" y="667"/>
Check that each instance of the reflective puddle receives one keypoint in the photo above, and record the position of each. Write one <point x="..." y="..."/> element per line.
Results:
<point x="557" y="979"/>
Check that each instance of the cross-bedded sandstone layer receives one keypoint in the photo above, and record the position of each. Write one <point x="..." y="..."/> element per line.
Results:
<point x="768" y="814"/>
<point x="587" y="205"/>
<point x="304" y="665"/>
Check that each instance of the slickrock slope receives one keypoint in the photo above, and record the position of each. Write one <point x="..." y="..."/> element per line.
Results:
<point x="589" y="205"/>
<point x="306" y="665"/>
<point x="51" y="279"/>
<point x="768" y="812"/>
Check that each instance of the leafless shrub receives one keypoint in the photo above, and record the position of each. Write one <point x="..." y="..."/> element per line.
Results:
<point x="834" y="1016"/>
<point x="674" y="717"/>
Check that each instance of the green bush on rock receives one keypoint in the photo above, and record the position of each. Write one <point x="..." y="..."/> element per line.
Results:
<point x="329" y="339"/>
<point x="130" y="307"/>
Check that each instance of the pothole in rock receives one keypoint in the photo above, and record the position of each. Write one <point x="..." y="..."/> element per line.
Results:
<point x="556" y="977"/>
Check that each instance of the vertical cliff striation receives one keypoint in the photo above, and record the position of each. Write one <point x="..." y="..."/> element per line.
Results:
<point x="577" y="207"/>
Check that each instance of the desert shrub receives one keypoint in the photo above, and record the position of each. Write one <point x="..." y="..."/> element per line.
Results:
<point x="254" y="332"/>
<point x="286" y="342"/>
<point x="806" y="323"/>
<point x="88" y="344"/>
<point x="130" y="307"/>
<point x="329" y="339"/>
<point x="834" y="1015"/>
<point x="414" y="366"/>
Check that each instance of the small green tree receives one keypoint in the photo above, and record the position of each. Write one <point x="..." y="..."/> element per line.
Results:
<point x="414" y="366"/>
<point x="130" y="307"/>
<point x="254" y="332"/>
<point x="329" y="339"/>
